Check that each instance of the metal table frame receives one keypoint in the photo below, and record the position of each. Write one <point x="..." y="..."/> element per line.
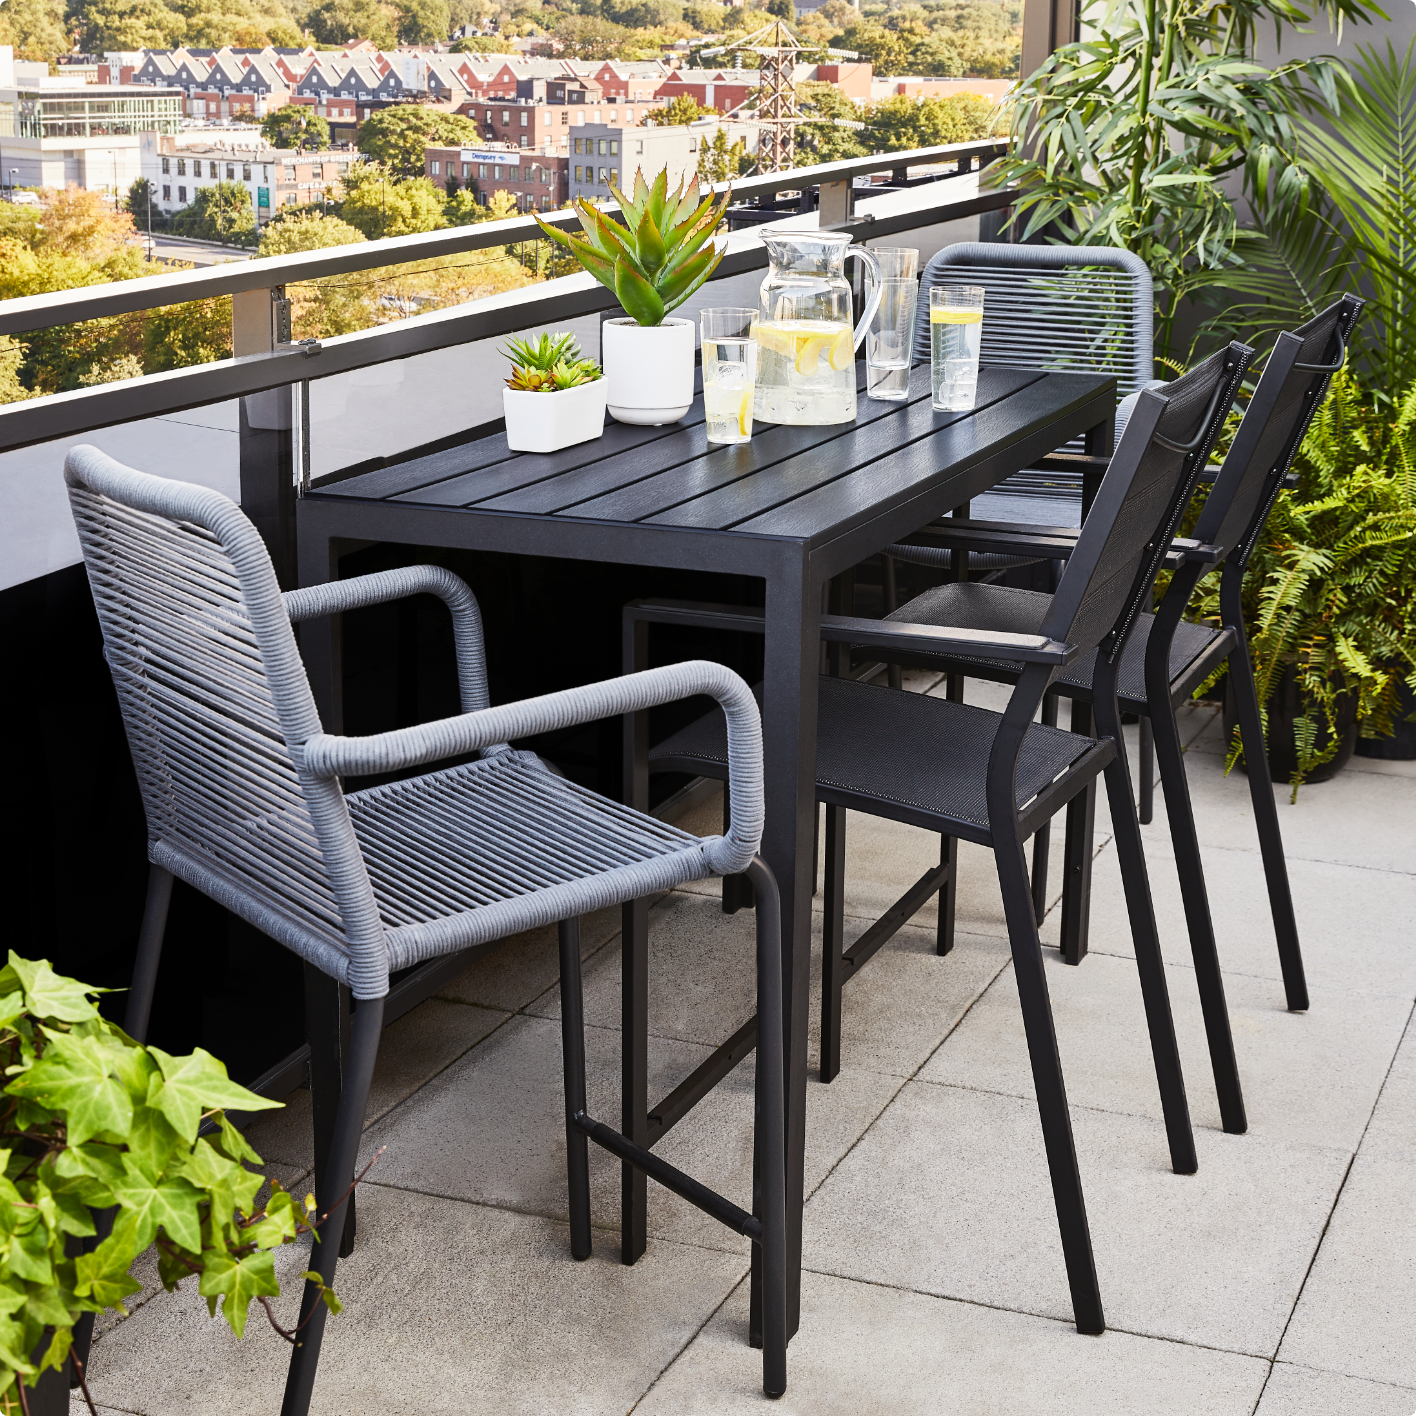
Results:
<point x="842" y="529"/>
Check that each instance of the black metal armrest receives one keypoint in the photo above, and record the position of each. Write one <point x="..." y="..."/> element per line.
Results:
<point x="936" y="639"/>
<point x="1009" y="538"/>
<point x="1079" y="462"/>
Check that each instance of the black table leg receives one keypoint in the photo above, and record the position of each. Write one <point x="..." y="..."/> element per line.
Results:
<point x="789" y="755"/>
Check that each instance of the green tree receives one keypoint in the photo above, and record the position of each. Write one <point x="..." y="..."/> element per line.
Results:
<point x="683" y="108"/>
<point x="295" y="126"/>
<point x="465" y="210"/>
<point x="589" y="37"/>
<point x="176" y="336"/>
<point x="899" y="122"/>
<point x="12" y="355"/>
<point x="888" y="51"/>
<point x="485" y="44"/>
<point x="131" y="24"/>
<point x="333" y="304"/>
<point x="396" y="137"/>
<point x="38" y="29"/>
<point x="783" y="9"/>
<point x="337" y="21"/>
<point x="139" y="202"/>
<point x="381" y="205"/>
<point x="721" y="161"/>
<point x="708" y="18"/>
<point x="827" y="138"/>
<point x="221" y="212"/>
<point x="246" y="24"/>
<point x="423" y="21"/>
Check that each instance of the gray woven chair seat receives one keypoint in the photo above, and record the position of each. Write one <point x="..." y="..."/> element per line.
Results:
<point x="913" y="757"/>
<point x="1002" y="608"/>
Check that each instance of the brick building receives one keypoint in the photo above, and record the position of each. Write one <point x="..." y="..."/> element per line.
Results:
<point x="537" y="181"/>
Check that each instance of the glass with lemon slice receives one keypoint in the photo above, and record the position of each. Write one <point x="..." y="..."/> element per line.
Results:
<point x="729" y="372"/>
<point x="955" y="335"/>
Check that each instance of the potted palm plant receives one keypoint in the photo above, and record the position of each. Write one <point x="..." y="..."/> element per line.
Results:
<point x="110" y="1147"/>
<point x="555" y="396"/>
<point x="653" y="263"/>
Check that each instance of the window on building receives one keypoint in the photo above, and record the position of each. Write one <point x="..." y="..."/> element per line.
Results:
<point x="579" y="174"/>
<point x="629" y="115"/>
<point x="523" y="117"/>
<point x="614" y="176"/>
<point x="166" y="165"/>
<point x="289" y="174"/>
<point x="612" y="115"/>
<point x="167" y="194"/>
<point x="604" y="177"/>
<point x="614" y="149"/>
<point x="437" y="167"/>
<point x="565" y="118"/>
<point x="525" y="141"/>
<point x="230" y="171"/>
<point x="182" y="195"/>
<point x="466" y="170"/>
<point x="246" y="172"/>
<point x="181" y="166"/>
<point x="604" y="147"/>
<point x="580" y="118"/>
<point x="496" y="174"/>
<point x="506" y="118"/>
<point x="481" y="169"/>
<point x="213" y="170"/>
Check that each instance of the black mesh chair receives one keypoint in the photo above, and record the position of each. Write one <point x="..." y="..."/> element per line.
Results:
<point x="994" y="778"/>
<point x="1167" y="658"/>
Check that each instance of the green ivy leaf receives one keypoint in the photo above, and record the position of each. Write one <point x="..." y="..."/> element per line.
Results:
<point x="231" y="1143"/>
<point x="239" y="1281"/>
<point x="281" y="1222"/>
<point x="231" y="1187"/>
<point x="188" y="1086"/>
<point x="75" y="1076"/>
<point x="153" y="1143"/>
<point x="51" y="995"/>
<point x="149" y="1204"/>
<point x="102" y="1277"/>
<point x="29" y="1257"/>
<point x="327" y="1294"/>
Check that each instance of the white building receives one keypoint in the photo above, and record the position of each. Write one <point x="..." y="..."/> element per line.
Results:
<point x="601" y="154"/>
<point x="55" y="132"/>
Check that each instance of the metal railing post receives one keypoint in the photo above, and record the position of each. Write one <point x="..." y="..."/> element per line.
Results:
<point x="260" y="321"/>
<point x="834" y="203"/>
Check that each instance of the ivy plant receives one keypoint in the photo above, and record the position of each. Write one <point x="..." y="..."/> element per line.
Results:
<point x="109" y="1147"/>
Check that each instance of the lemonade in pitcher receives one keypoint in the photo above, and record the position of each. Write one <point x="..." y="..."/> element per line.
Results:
<point x="806" y="370"/>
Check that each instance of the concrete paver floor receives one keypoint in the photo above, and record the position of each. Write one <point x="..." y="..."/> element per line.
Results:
<point x="1279" y="1280"/>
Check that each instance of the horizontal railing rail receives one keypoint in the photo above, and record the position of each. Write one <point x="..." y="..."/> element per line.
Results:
<point x="60" y="307"/>
<point x="104" y="405"/>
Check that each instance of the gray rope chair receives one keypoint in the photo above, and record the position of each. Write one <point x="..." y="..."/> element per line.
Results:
<point x="968" y="773"/>
<point x="243" y="799"/>
<point x="1167" y="658"/>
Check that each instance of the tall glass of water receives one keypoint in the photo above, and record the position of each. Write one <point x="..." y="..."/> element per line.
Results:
<point x="955" y="334"/>
<point x="891" y="333"/>
<point x="729" y="372"/>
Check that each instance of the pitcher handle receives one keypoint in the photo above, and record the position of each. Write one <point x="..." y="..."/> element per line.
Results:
<point x="875" y="291"/>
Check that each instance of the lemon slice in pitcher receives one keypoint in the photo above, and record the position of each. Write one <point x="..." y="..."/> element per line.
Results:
<point x="843" y="349"/>
<point x="808" y="358"/>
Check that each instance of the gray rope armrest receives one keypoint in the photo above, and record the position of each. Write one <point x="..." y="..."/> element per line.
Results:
<point x="326" y="755"/>
<point x="934" y="639"/>
<point x="354" y="594"/>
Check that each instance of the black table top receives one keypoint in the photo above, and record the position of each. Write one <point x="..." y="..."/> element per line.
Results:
<point x="803" y="484"/>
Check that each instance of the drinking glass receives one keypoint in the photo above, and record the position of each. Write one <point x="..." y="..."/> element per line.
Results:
<point x="955" y="333"/>
<point x="729" y="372"/>
<point x="887" y="344"/>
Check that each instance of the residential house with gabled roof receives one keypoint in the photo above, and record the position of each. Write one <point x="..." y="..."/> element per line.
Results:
<point x="261" y="89"/>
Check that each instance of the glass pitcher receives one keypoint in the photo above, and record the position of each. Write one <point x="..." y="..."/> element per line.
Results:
<point x="806" y="347"/>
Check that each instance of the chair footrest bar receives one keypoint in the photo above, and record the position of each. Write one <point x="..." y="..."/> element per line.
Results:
<point x="672" y="1178"/>
<point x="888" y="925"/>
<point x="699" y="1082"/>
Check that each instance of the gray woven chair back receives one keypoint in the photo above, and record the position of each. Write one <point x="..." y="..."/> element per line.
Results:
<point x="1081" y="309"/>
<point x="1140" y="503"/>
<point x="216" y="704"/>
<point x="1302" y="364"/>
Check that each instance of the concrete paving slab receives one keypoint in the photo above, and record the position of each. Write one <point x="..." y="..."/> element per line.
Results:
<point x="1301" y="1391"/>
<point x="865" y="1350"/>
<point x="449" y="1309"/>
<point x="413" y="1049"/>
<point x="1355" y="1315"/>
<point x="948" y="1194"/>
<point x="1309" y="1078"/>
<point x="1344" y="948"/>
<point x="1392" y="1132"/>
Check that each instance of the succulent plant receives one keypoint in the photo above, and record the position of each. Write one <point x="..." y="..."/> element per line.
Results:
<point x="548" y="365"/>
<point x="660" y="256"/>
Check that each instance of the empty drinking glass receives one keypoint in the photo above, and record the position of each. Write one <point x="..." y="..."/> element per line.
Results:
<point x="729" y="372"/>
<point x="955" y="334"/>
<point x="887" y="345"/>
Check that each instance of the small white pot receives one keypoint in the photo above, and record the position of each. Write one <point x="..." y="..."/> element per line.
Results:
<point x="547" y="422"/>
<point x="649" y="369"/>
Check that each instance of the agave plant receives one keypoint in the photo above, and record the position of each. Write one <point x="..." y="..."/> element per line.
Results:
<point x="662" y="254"/>
<point x="548" y="365"/>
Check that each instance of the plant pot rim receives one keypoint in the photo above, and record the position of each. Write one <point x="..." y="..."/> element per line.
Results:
<point x="667" y="320"/>
<point x="543" y="392"/>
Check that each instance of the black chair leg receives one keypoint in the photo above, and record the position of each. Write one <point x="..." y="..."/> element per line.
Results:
<point x="1203" y="951"/>
<point x="327" y="1029"/>
<point x="634" y="1073"/>
<point x="577" y="1145"/>
<point x="154" y="926"/>
<point x="1285" y="925"/>
<point x="948" y="895"/>
<point x="1042" y="841"/>
<point x="894" y="676"/>
<point x="1131" y="858"/>
<point x="833" y="942"/>
<point x="770" y="1197"/>
<point x="333" y="1198"/>
<point x="1047" y="1079"/>
<point x="1145" y="765"/>
<point x="1077" y="857"/>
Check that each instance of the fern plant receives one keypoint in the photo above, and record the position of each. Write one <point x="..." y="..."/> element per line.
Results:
<point x="550" y="365"/>
<point x="1331" y="588"/>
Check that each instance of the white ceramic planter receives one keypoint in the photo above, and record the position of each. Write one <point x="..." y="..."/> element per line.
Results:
<point x="547" y="422"/>
<point x="649" y="369"/>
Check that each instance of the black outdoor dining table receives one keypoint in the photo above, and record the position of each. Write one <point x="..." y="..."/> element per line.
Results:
<point x="795" y="507"/>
